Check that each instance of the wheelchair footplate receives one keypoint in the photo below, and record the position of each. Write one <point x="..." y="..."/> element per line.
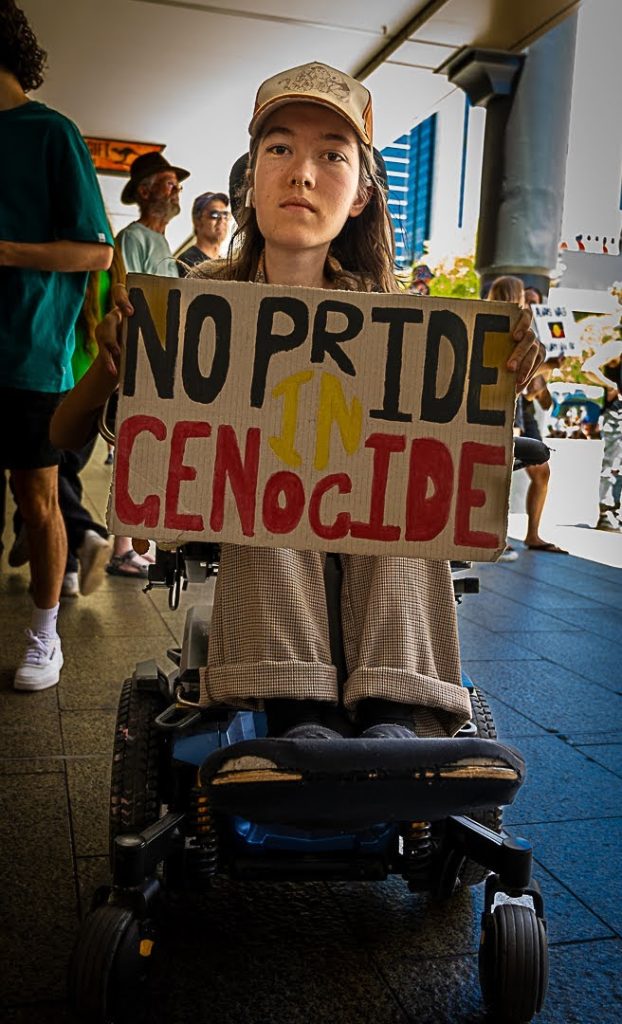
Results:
<point x="322" y="783"/>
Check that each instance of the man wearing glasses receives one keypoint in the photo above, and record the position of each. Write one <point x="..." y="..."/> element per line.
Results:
<point x="155" y="186"/>
<point x="210" y="218"/>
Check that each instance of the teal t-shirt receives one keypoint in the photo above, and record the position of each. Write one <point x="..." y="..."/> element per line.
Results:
<point x="145" y="251"/>
<point x="48" y="192"/>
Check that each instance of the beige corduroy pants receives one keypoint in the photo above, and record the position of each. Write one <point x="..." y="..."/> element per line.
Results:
<point x="269" y="634"/>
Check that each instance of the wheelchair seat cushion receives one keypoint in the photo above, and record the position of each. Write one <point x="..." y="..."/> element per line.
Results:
<point x="360" y="781"/>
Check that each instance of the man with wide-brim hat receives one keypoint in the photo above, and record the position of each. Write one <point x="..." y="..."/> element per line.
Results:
<point x="155" y="185"/>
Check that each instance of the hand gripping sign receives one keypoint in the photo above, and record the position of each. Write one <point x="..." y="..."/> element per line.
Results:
<point x="313" y="419"/>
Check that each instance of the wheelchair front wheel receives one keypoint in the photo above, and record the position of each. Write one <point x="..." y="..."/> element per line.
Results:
<point x="108" y="968"/>
<point x="513" y="963"/>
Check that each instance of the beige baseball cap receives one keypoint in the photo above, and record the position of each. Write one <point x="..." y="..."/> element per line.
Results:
<point x="316" y="83"/>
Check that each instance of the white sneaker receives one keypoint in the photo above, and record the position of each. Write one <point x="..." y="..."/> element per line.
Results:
<point x="69" y="586"/>
<point x="94" y="554"/>
<point x="508" y="554"/>
<point x="41" y="664"/>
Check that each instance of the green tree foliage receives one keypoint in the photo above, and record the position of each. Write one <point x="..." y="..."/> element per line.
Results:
<point x="456" y="278"/>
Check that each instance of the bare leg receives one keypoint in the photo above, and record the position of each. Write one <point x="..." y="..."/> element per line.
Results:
<point x="36" y="494"/>
<point x="536" y="496"/>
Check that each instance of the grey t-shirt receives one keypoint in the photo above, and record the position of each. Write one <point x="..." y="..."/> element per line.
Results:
<point x="145" y="251"/>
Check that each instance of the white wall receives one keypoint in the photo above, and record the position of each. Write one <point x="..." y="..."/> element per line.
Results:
<point x="594" y="165"/>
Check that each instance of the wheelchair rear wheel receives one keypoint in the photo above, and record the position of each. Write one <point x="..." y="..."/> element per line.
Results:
<point x="472" y="873"/>
<point x="136" y="774"/>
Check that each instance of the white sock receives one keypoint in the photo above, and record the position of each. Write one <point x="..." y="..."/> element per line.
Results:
<point x="44" y="620"/>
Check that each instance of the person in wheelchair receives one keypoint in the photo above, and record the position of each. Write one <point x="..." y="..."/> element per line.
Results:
<point x="314" y="204"/>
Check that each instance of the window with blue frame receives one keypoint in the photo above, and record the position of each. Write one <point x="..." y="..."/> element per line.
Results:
<point x="410" y="171"/>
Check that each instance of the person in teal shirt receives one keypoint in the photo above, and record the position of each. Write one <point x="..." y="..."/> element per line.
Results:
<point x="53" y="231"/>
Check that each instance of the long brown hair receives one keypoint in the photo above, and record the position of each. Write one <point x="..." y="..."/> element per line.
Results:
<point x="507" y="289"/>
<point x="364" y="246"/>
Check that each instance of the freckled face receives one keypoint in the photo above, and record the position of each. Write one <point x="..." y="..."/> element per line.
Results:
<point x="306" y="181"/>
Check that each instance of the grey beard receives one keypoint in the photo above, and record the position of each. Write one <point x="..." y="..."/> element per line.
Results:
<point x="165" y="208"/>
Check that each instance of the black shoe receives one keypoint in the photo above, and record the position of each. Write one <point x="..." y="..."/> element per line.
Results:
<point x="298" y="719"/>
<point x="311" y="731"/>
<point x="389" y="731"/>
<point x="381" y="719"/>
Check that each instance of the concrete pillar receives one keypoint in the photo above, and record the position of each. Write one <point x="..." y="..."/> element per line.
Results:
<point x="524" y="161"/>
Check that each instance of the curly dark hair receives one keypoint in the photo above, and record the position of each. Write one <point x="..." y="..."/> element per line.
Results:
<point x="20" y="52"/>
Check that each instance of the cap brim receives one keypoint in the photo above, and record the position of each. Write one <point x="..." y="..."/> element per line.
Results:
<point x="128" y="194"/>
<point x="282" y="101"/>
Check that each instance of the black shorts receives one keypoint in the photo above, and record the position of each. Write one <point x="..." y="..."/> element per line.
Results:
<point x="531" y="428"/>
<point x="25" y="428"/>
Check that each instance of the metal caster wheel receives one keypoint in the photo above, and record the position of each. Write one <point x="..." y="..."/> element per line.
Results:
<point x="513" y="963"/>
<point x="109" y="966"/>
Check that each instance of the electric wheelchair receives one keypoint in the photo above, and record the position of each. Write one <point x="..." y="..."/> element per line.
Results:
<point x="200" y="792"/>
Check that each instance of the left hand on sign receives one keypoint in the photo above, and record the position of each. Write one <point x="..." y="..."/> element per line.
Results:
<point x="528" y="354"/>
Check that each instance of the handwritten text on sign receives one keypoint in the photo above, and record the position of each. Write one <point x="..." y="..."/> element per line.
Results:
<point x="290" y="417"/>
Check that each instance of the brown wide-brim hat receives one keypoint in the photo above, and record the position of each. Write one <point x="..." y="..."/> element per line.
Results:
<point x="321" y="84"/>
<point x="143" y="167"/>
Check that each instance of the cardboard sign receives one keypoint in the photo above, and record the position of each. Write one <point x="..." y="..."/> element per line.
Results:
<point x="116" y="156"/>
<point x="312" y="419"/>
<point x="556" y="329"/>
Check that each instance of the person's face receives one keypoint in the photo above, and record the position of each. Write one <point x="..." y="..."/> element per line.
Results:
<point x="531" y="297"/>
<point x="420" y="288"/>
<point x="306" y="178"/>
<point x="162" y="196"/>
<point x="213" y="222"/>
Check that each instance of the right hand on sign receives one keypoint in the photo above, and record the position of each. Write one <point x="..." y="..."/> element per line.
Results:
<point x="108" y="331"/>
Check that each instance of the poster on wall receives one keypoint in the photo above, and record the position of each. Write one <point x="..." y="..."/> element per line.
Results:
<point x="116" y="156"/>
<point x="300" y="418"/>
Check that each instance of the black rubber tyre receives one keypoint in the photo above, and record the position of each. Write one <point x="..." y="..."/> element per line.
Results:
<point x="472" y="873"/>
<point x="135" y="796"/>
<point x="513" y="964"/>
<point x="107" y="973"/>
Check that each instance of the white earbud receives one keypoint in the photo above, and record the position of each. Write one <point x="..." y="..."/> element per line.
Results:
<point x="249" y="197"/>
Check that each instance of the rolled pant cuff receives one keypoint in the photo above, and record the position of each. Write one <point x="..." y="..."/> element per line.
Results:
<point x="447" y="703"/>
<point x="247" y="686"/>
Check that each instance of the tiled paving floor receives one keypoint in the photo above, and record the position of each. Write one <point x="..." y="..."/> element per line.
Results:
<point x="542" y="639"/>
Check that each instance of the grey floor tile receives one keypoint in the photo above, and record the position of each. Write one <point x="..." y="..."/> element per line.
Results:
<point x="478" y="642"/>
<point x="37" y="1013"/>
<point x="562" y="785"/>
<point x="89" y="800"/>
<point x="557" y="699"/>
<point x="109" y="614"/>
<point x="93" y="872"/>
<point x="27" y="729"/>
<point x="605" y="622"/>
<point x="88" y="732"/>
<point x="39" y="904"/>
<point x="584" y="855"/>
<point x="583" y="654"/>
<point x="502" y="614"/>
<point x="94" y="671"/>
<point x="533" y="593"/>
<point x="585" y="985"/>
<point x="299" y="962"/>
<point x="607" y="754"/>
<point x="28" y="765"/>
